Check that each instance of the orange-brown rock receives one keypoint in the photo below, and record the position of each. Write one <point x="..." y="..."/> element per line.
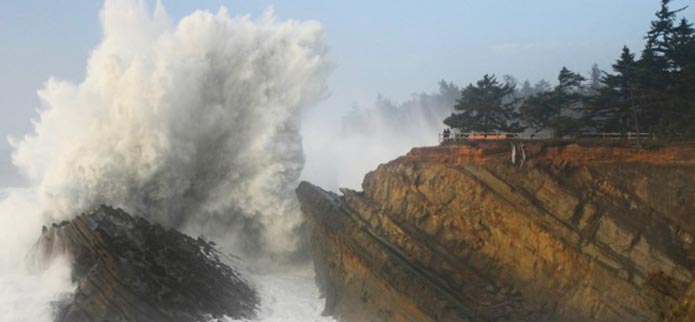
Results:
<point x="459" y="233"/>
<point x="684" y="311"/>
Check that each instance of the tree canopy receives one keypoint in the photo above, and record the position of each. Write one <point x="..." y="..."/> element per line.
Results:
<point x="485" y="107"/>
<point x="653" y="92"/>
<point x="555" y="110"/>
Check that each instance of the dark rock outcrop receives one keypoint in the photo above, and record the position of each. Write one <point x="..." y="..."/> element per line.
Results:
<point x="459" y="233"/>
<point x="127" y="269"/>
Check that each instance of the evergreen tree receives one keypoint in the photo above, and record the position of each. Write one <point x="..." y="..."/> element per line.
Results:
<point x="484" y="108"/>
<point x="613" y="108"/>
<point x="682" y="54"/>
<point x="655" y="69"/>
<point x="542" y="86"/>
<point x="678" y="117"/>
<point x="661" y="31"/>
<point x="526" y="89"/>
<point x="595" y="80"/>
<point x="682" y="49"/>
<point x="652" y="94"/>
<point x="569" y="82"/>
<point x="539" y="110"/>
<point x="510" y="80"/>
<point x="557" y="110"/>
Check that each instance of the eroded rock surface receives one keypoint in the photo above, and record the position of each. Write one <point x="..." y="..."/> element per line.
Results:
<point x="459" y="233"/>
<point x="684" y="311"/>
<point x="127" y="269"/>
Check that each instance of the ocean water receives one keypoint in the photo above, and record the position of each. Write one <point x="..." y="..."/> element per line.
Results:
<point x="30" y="293"/>
<point x="193" y="123"/>
<point x="289" y="294"/>
<point x="27" y="292"/>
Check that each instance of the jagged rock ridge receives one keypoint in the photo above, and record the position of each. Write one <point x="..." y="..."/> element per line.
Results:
<point x="459" y="233"/>
<point x="127" y="269"/>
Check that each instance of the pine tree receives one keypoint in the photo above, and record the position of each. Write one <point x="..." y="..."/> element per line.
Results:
<point x="595" y="83"/>
<point x="558" y="110"/>
<point x="661" y="31"/>
<point x="484" y="108"/>
<point x="510" y="80"/>
<point x="613" y="108"/>
<point x="682" y="49"/>
<point x="652" y="94"/>
<point x="542" y="86"/>
<point x="570" y="83"/>
<point x="678" y="116"/>
<point x="660" y="36"/>
<point x="654" y="73"/>
<point x="526" y="89"/>
<point x="682" y="53"/>
<point x="538" y="111"/>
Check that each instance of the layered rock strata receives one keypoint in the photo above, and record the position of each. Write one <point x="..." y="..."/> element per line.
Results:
<point x="462" y="233"/>
<point x="684" y="311"/>
<point x="127" y="269"/>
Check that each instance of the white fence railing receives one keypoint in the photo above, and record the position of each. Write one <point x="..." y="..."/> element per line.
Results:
<point x="619" y="136"/>
<point x="475" y="136"/>
<point x="469" y="136"/>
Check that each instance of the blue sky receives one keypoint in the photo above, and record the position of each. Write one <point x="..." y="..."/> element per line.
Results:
<point x="390" y="47"/>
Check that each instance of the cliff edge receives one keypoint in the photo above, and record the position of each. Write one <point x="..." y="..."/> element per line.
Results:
<point x="461" y="233"/>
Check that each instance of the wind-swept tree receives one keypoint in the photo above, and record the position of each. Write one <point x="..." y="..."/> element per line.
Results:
<point x="660" y="37"/>
<point x="569" y="82"/>
<point x="660" y="30"/>
<point x="486" y="107"/>
<point x="654" y="93"/>
<point x="557" y="110"/>
<point x="656" y="71"/>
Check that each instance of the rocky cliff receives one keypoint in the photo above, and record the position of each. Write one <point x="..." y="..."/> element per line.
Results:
<point x="128" y="270"/>
<point x="462" y="233"/>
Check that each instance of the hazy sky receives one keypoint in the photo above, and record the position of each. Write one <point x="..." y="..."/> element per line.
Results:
<point x="389" y="47"/>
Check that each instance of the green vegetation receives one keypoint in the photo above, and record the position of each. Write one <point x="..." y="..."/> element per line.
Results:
<point x="552" y="109"/>
<point x="483" y="108"/>
<point x="653" y="94"/>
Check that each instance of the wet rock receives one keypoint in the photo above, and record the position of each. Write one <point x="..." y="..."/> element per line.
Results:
<point x="459" y="233"/>
<point x="127" y="269"/>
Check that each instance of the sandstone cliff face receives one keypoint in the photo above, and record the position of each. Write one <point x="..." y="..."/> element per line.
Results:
<point x="127" y="269"/>
<point x="459" y="233"/>
<point x="684" y="311"/>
